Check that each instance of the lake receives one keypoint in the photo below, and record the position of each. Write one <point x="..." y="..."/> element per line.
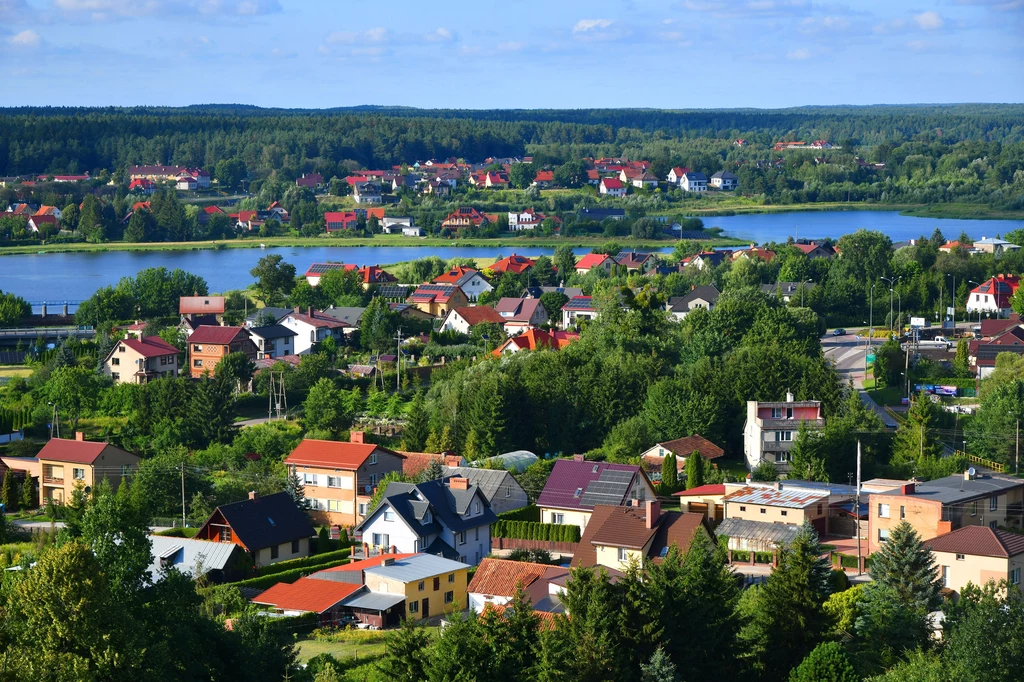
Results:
<point x="56" y="277"/>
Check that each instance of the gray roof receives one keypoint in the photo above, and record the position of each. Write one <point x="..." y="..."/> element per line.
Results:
<point x="416" y="567"/>
<point x="274" y="331"/>
<point x="776" y="533"/>
<point x="704" y="293"/>
<point x="488" y="480"/>
<point x="374" y="601"/>
<point x="349" y="315"/>
<point x="725" y="175"/>
<point x="186" y="554"/>
<point x="276" y="313"/>
<point x="954" y="489"/>
<point x="446" y="506"/>
<point x="696" y="176"/>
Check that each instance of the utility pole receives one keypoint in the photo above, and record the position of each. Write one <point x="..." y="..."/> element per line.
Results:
<point x="398" y="363"/>
<point x="183" y="494"/>
<point x="1016" y="456"/>
<point x="857" y="506"/>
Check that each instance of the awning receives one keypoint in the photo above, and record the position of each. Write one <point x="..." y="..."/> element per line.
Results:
<point x="374" y="601"/>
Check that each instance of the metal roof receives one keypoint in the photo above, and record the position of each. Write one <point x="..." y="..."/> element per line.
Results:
<point x="770" y="497"/>
<point x="956" y="488"/>
<point x="777" y="533"/>
<point x="186" y="555"/>
<point x="374" y="601"/>
<point x="418" y="567"/>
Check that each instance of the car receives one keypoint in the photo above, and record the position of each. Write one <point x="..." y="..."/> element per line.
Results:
<point x="839" y="332"/>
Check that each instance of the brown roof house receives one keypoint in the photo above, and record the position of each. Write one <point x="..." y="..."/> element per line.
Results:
<point x="682" y="448"/>
<point x="463" y="319"/>
<point x="200" y="310"/>
<point x="208" y="345"/>
<point x="616" y="535"/>
<point x="139" y="360"/>
<point x="496" y="581"/>
<point x="978" y="554"/>
<point x="65" y="464"/>
<point x="270" y="528"/>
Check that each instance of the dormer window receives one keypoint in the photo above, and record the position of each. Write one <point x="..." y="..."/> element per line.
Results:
<point x="595" y="468"/>
<point x="579" y="491"/>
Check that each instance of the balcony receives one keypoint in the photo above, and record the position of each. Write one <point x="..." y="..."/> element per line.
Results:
<point x="50" y="480"/>
<point x="776" y="445"/>
<point x="790" y="424"/>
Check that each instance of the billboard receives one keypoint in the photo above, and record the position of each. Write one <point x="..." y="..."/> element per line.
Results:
<point x="917" y="322"/>
<point x="936" y="389"/>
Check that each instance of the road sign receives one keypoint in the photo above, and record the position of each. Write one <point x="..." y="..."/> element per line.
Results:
<point x="950" y="310"/>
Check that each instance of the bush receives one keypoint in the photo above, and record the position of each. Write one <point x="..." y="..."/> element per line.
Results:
<point x="528" y="513"/>
<point x="179" y="532"/>
<point x="305" y="562"/>
<point x="265" y="581"/>
<point x="839" y="581"/>
<point x="740" y="555"/>
<point x="847" y="561"/>
<point x="323" y="540"/>
<point x="763" y="557"/>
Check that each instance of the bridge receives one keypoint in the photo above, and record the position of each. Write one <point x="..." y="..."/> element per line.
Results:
<point x="54" y="308"/>
<point x="12" y="336"/>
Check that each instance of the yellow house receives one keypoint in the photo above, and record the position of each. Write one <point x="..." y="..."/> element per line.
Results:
<point x="64" y="464"/>
<point x="438" y="299"/>
<point x="138" y="360"/>
<point x="431" y="584"/>
<point x="978" y="555"/>
<point x="704" y="499"/>
<point x="790" y="507"/>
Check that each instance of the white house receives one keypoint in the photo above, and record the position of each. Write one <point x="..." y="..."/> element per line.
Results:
<point x="472" y="283"/>
<point x="367" y="193"/>
<point x="187" y="184"/>
<point x="401" y="225"/>
<point x="699" y="297"/>
<point x="675" y="176"/>
<point x="612" y="187"/>
<point x="273" y="341"/>
<point x="771" y="429"/>
<point x="525" y="220"/>
<point x="724" y="180"/>
<point x="312" y="327"/>
<point x="463" y="319"/>
<point x="578" y="307"/>
<point x="450" y="518"/>
<point x="993" y="295"/>
<point x="694" y="181"/>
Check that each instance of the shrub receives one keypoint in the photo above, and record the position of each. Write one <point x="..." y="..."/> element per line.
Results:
<point x="528" y="513"/>
<point x="349" y="635"/>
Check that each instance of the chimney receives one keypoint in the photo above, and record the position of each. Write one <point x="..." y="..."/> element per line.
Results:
<point x="79" y="436"/>
<point x="357" y="437"/>
<point x="907" y="489"/>
<point x="789" y="396"/>
<point x="653" y="512"/>
<point x="578" y="458"/>
<point x="967" y="475"/>
<point x="389" y="561"/>
<point x="297" y="310"/>
<point x="458" y="483"/>
<point x="310" y="311"/>
<point x="253" y="495"/>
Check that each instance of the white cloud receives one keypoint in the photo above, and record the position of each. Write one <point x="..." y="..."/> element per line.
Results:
<point x="584" y="25"/>
<point x="103" y="10"/>
<point x="802" y="53"/>
<point x="929" y="21"/>
<point x="371" y="35"/>
<point x="890" y="26"/>
<point x="27" y="38"/>
<point x="511" y="46"/>
<point x="440" y="35"/>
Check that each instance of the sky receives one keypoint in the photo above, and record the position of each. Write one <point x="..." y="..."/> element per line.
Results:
<point x="518" y="54"/>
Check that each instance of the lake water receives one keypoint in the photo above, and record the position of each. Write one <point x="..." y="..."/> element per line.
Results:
<point x="56" y="277"/>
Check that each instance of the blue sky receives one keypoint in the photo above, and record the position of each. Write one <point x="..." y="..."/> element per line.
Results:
<point x="524" y="53"/>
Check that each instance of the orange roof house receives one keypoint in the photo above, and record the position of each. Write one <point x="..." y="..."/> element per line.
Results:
<point x="307" y="595"/>
<point x="515" y="264"/>
<point x="533" y="339"/>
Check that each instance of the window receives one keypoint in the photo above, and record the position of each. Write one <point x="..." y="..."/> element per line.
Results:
<point x="196" y="348"/>
<point x="373" y="479"/>
<point x="449" y="597"/>
<point x="974" y="508"/>
<point x="476" y="507"/>
<point x="309" y="479"/>
<point x="362" y="508"/>
<point x="945" y="576"/>
<point x="993" y="524"/>
<point x="959" y="557"/>
<point x="115" y="361"/>
<point x="819" y="507"/>
<point x="273" y="552"/>
<point x="462" y="538"/>
<point x="373" y="458"/>
<point x="225" y="534"/>
<point x="389" y="515"/>
<point x="763" y="511"/>
<point x="414" y="606"/>
<point x="334" y="506"/>
<point x="197" y="363"/>
<point x="451" y="577"/>
<point x="437" y="584"/>
<point x="115" y="376"/>
<point x="789" y="413"/>
<point x="295" y="546"/>
<point x="883" y="511"/>
<point x="508" y="491"/>
<point x="121" y="349"/>
<point x="776" y="413"/>
<point x="903" y="512"/>
<point x="993" y="503"/>
<point x="78" y="474"/>
<point x="334" y="481"/>
<point x="422" y="585"/>
<point x="785" y="513"/>
<point x="557" y="518"/>
<point x="743" y="508"/>
<point x="781" y="457"/>
<point x="623" y="554"/>
<point x="883" y="534"/>
<point x="163" y="359"/>
<point x="477" y="533"/>
<point x="1015" y="576"/>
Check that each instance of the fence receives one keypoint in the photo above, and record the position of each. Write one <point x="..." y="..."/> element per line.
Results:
<point x="987" y="463"/>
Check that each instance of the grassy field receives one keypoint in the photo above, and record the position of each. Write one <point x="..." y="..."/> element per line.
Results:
<point x="308" y="648"/>
<point x="15" y="371"/>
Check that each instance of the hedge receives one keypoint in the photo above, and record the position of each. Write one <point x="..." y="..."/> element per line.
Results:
<point x="847" y="560"/>
<point x="763" y="557"/>
<point x="314" y="559"/>
<point x="265" y="581"/>
<point x="533" y="530"/>
<point x="740" y="555"/>
<point x="528" y="513"/>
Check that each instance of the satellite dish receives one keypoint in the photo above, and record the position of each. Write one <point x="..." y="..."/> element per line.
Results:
<point x="971" y="472"/>
<point x="88" y="489"/>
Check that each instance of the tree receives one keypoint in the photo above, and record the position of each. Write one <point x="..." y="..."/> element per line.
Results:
<point x="116" y="528"/>
<point x="275" y="279"/>
<point x="553" y="302"/>
<point x="694" y="470"/>
<point x="236" y="368"/>
<point x="961" y="362"/>
<point x="296" y="490"/>
<point x="460" y="653"/>
<point x="984" y="633"/>
<point x="72" y="390"/>
<point x="229" y="173"/>
<point x="669" y="480"/>
<point x="324" y="408"/>
<point x="520" y="175"/>
<point x="378" y="326"/>
<point x="915" y="443"/>
<point x="512" y="638"/>
<point x="659" y="669"/>
<point x="141" y="227"/>
<point x="904" y="564"/>
<point x="406" y="654"/>
<point x="828" y="662"/>
<point x="13" y="309"/>
<point x="9" y="494"/>
<point x="28" y="494"/>
<point x="69" y="217"/>
<point x="543" y="272"/>
<point x="810" y="452"/>
<point x="417" y="425"/>
<point x="565" y="263"/>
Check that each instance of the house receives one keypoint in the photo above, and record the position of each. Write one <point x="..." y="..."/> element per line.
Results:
<point x="612" y="187"/>
<point x="501" y="490"/>
<point x="578" y="308"/>
<point x="140" y="360"/>
<point x="820" y="144"/>
<point x="617" y="536"/>
<point x="270" y="528"/>
<point x="463" y="217"/>
<point x="308" y="595"/>
<point x="367" y="193"/>
<point x="601" y="214"/>
<point x="705" y="259"/>
<point x="49" y="210"/>
<point x="273" y="341"/>
<point x="515" y="264"/>
<point x="413" y="586"/>
<point x="754" y="252"/>
<point x="575" y="486"/>
<point x="437" y="187"/>
<point x="199" y="309"/>
<point x="338" y="221"/>
<point x="724" y="180"/>
<point x="771" y="428"/>
<point x="993" y="296"/>
<point x="977" y="555"/>
<point x="815" y="250"/>
<point x="704" y="499"/>
<point x="155" y="173"/>
<point x="785" y="146"/>
<point x="787" y="290"/>
<point x="268" y="315"/>
<point x="313" y="181"/>
<point x="208" y="345"/>
<point x="496" y="580"/>
<point x="634" y="261"/>
<point x="519" y="314"/>
<point x="449" y="518"/>
<point x="350" y="316"/>
<point x="950" y="247"/>
<point x="543" y="179"/>
<point x="403" y="225"/>
<point x="214" y="562"/>
<point x="535" y="339"/>
<point x="495" y="180"/>
<point x="699" y="297"/>
<point x="694" y="181"/>
<point x="528" y="219"/>
<point x="38" y="223"/>
<point x="946" y="504"/>
<point x="994" y="246"/>
<point x="437" y="299"/>
<point x="400" y="182"/>
<point x="187" y="184"/>
<point x="652" y="458"/>
<point x="143" y="185"/>
<point x="469" y="280"/>
<point x="312" y="327"/>
<point x="339" y="478"/>
<point x="463" y="319"/>
<point x="65" y="464"/>
<point x="771" y="505"/>
<point x="592" y="261"/>
<point x="675" y="176"/>
<point x="318" y="270"/>
<point x="372" y="274"/>
<point x="984" y="352"/>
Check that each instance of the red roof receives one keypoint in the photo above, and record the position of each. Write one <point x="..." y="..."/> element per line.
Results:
<point x="513" y="263"/>
<point x="501" y="577"/>
<point x="611" y="183"/>
<point x="201" y="305"/>
<point x="318" y="320"/>
<point x="475" y="315"/>
<point x="150" y="346"/>
<point x="808" y="248"/>
<point x="372" y="274"/>
<point x="214" y="335"/>
<point x="331" y="454"/>
<point x="210" y="210"/>
<point x="544" y="176"/>
<point x="453" y="275"/>
<point x="363" y="564"/>
<point x="306" y="594"/>
<point x="591" y="260"/>
<point x="680" y="171"/>
<point x="1001" y="288"/>
<point x="76" y="451"/>
<point x="246" y="216"/>
<point x="979" y="541"/>
<point x="709" y="489"/>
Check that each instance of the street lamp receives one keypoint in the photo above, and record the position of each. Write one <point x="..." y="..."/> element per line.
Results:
<point x="808" y="281"/>
<point x="892" y="282"/>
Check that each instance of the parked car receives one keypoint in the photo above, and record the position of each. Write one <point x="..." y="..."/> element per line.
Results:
<point x="839" y="332"/>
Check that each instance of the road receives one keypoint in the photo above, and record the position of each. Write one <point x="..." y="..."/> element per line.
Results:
<point x="847" y="352"/>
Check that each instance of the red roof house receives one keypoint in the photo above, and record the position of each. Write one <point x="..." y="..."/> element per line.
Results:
<point x="515" y="264"/>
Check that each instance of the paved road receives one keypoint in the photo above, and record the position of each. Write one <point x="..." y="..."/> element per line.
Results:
<point x="847" y="352"/>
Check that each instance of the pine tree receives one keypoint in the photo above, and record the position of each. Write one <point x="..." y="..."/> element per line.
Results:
<point x="694" y="470"/>
<point x="659" y="669"/>
<point x="8" y="494"/>
<point x="961" y="361"/>
<point x="417" y="427"/>
<point x="512" y="638"/>
<point x="296" y="490"/>
<point x="405" y="655"/>
<point x="908" y="447"/>
<point x="28" y="493"/>
<point x="433" y="471"/>
<point x="669" y="479"/>
<point x="904" y="564"/>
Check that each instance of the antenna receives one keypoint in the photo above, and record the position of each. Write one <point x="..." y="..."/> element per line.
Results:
<point x="278" y="400"/>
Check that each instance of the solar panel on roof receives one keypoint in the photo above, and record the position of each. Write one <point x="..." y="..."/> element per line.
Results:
<point x="614" y="476"/>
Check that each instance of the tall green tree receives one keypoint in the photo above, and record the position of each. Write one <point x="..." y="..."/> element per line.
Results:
<point x="659" y="669"/>
<point x="694" y="471"/>
<point x="543" y="272"/>
<point x="406" y="654"/>
<point x="417" y="425"/>
<point x="828" y="662"/>
<point x="274" y="278"/>
<point x="565" y="263"/>
<point x="460" y="653"/>
<point x="512" y="639"/>
<point x="9" y="494"/>
<point x="378" y="326"/>
<point x="324" y="408"/>
<point x="904" y="564"/>
<point x="669" y="480"/>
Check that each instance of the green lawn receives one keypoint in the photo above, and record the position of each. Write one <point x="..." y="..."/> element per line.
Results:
<point x="891" y="395"/>
<point x="732" y="468"/>
<point x="15" y="371"/>
<point x="308" y="648"/>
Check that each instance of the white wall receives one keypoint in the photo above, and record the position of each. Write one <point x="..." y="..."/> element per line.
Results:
<point x="400" y="535"/>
